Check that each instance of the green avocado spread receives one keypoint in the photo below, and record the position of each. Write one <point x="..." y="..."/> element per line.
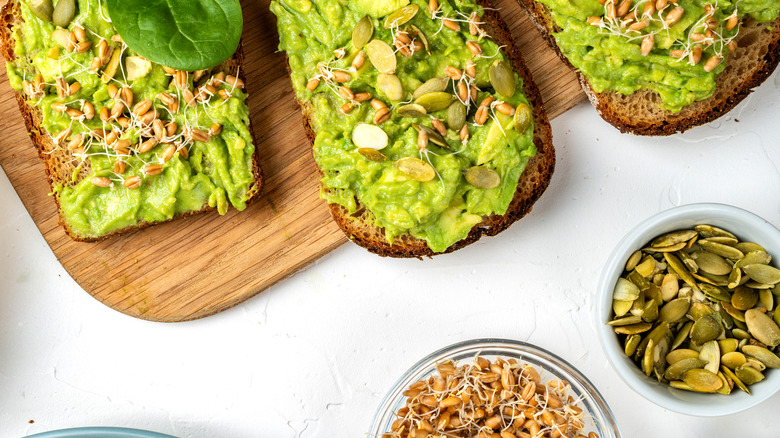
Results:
<point x="430" y="160"/>
<point x="675" y="48"/>
<point x="141" y="156"/>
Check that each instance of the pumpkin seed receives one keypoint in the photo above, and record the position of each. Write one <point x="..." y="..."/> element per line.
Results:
<point x="766" y="357"/>
<point x="625" y="291"/>
<point x="663" y="249"/>
<point x="628" y="320"/>
<point x="433" y="136"/>
<point x="761" y="327"/>
<point x="702" y="380"/>
<point x="711" y="263"/>
<point x="633" y="328"/>
<point x="714" y="292"/>
<point x="679" y="384"/>
<point x="63" y="13"/>
<point x="640" y="281"/>
<point x="621" y="307"/>
<point x="369" y="136"/>
<point x="699" y="310"/>
<point x="733" y="360"/>
<point x="677" y="266"/>
<point x="650" y="311"/>
<point x="744" y="298"/>
<point x="754" y="257"/>
<point x="683" y="353"/>
<point x="382" y="57"/>
<point x="416" y="169"/>
<point x="755" y="364"/>
<point x="411" y="110"/>
<point x="688" y="261"/>
<point x="372" y="154"/>
<point x="730" y="241"/>
<point x="735" y="277"/>
<point x="682" y="335"/>
<point x="678" y="369"/>
<point x="717" y="280"/>
<point x="523" y="118"/>
<point x="502" y="79"/>
<point x="653" y="293"/>
<point x="749" y="375"/>
<point x="482" y="177"/>
<point x="728" y="345"/>
<point x="674" y="310"/>
<point x="431" y="86"/>
<point x="741" y="334"/>
<point x="733" y="312"/>
<point x="113" y="64"/>
<point x="673" y="238"/>
<point x="422" y="38"/>
<point x="710" y="352"/>
<point x="390" y="85"/>
<point x="401" y="16"/>
<point x="646" y="267"/>
<point x="456" y="116"/>
<point x="647" y="359"/>
<point x="710" y="231"/>
<point x="632" y="341"/>
<point x="435" y="101"/>
<point x="705" y="329"/>
<point x="669" y="287"/>
<point x="658" y="333"/>
<point x="747" y="247"/>
<point x="730" y="374"/>
<point x="720" y="249"/>
<point x="634" y="260"/>
<point x="726" y="388"/>
<point x="638" y="305"/>
<point x="42" y="9"/>
<point x="762" y="273"/>
<point x="362" y="32"/>
<point x="766" y="298"/>
<point x="757" y="285"/>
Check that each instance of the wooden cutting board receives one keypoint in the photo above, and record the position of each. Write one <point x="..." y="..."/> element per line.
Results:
<point x="201" y="265"/>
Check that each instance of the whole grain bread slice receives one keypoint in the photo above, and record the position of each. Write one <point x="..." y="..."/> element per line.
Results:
<point x="756" y="57"/>
<point x="536" y="177"/>
<point x="60" y="163"/>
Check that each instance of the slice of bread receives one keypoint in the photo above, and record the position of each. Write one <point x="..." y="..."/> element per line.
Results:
<point x="60" y="163"/>
<point x="756" y="57"/>
<point x="536" y="177"/>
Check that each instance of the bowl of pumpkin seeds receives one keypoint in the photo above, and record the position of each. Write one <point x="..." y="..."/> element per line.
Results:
<point x="688" y="311"/>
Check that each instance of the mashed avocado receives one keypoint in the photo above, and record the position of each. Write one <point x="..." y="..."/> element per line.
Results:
<point x="683" y="54"/>
<point x="443" y="207"/>
<point x="183" y="171"/>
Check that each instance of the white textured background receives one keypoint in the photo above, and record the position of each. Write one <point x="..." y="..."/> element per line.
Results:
<point x="314" y="355"/>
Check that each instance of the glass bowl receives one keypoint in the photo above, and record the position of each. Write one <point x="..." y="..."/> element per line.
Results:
<point x="747" y="227"/>
<point x="598" y="416"/>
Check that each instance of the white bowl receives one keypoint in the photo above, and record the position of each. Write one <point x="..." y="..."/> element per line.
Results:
<point x="747" y="227"/>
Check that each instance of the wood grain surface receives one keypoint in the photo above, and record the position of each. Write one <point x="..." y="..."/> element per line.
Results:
<point x="198" y="266"/>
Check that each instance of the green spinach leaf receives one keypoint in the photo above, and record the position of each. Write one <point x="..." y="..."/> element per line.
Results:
<point x="182" y="34"/>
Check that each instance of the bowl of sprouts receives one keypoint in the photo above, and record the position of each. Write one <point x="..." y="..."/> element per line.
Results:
<point x="493" y="387"/>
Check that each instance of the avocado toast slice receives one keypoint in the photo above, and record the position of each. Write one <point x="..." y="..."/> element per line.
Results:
<point x="661" y="67"/>
<point x="419" y="154"/>
<point x="126" y="143"/>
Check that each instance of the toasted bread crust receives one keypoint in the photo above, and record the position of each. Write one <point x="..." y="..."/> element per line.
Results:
<point x="756" y="57"/>
<point x="10" y="16"/>
<point x="533" y="182"/>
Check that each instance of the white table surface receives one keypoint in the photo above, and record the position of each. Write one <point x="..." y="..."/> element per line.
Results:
<point x="314" y="355"/>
